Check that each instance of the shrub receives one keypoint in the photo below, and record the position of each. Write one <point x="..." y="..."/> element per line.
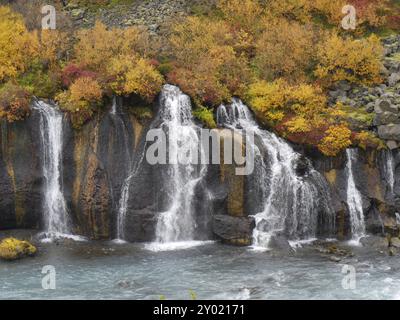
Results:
<point x="206" y="63"/>
<point x="357" y="61"/>
<point x="134" y="75"/>
<point x="80" y="100"/>
<point x="205" y="116"/>
<point x="292" y="38"/>
<point x="97" y="46"/>
<point x="366" y="139"/>
<point x="73" y="72"/>
<point x="337" y="138"/>
<point x="274" y="100"/>
<point x="14" y="102"/>
<point x="17" y="45"/>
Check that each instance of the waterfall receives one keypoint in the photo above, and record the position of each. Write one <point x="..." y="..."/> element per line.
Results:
<point x="123" y="135"/>
<point x="389" y="169"/>
<point x="292" y="202"/>
<point x="177" y="224"/>
<point x="54" y="207"/>
<point x="354" y="200"/>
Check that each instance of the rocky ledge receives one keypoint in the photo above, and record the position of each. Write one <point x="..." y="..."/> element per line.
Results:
<point x="380" y="102"/>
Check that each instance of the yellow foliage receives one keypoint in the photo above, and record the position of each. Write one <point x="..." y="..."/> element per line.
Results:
<point x="298" y="125"/>
<point x="357" y="61"/>
<point x="292" y="39"/>
<point x="13" y="249"/>
<point x="366" y="139"/>
<point x="276" y="99"/>
<point x="17" y="45"/>
<point x="80" y="99"/>
<point x="243" y="14"/>
<point x="290" y="9"/>
<point x="337" y="138"/>
<point x="134" y="75"/>
<point x="86" y="89"/>
<point x="97" y="46"/>
<point x="207" y="65"/>
<point x="53" y="46"/>
<point x="14" y="102"/>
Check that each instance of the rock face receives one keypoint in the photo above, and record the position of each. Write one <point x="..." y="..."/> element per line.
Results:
<point x="380" y="200"/>
<point x="234" y="230"/>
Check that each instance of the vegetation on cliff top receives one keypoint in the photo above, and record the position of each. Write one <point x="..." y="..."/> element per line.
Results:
<point x="280" y="56"/>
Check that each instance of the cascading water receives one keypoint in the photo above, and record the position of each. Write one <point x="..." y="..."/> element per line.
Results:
<point x="292" y="203"/>
<point x="354" y="200"/>
<point x="54" y="206"/>
<point x="177" y="224"/>
<point x="123" y="135"/>
<point x="389" y="169"/>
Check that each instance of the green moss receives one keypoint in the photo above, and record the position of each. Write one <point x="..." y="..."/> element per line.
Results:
<point x="39" y="82"/>
<point x="142" y="113"/>
<point x="358" y="114"/>
<point x="205" y="116"/>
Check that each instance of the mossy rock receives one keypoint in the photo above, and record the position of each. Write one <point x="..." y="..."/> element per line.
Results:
<point x="13" y="249"/>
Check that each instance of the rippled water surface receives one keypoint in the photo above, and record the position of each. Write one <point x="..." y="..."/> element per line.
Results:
<point x="88" y="270"/>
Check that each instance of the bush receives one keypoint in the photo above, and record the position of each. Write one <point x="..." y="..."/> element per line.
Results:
<point x="73" y="72"/>
<point x="292" y="38"/>
<point x="366" y="139"/>
<point x="206" y="63"/>
<point x="81" y="100"/>
<point x="17" y="45"/>
<point x="14" y="102"/>
<point x="357" y="61"/>
<point x="134" y="75"/>
<point x="275" y="100"/>
<point x="205" y="116"/>
<point x="337" y="138"/>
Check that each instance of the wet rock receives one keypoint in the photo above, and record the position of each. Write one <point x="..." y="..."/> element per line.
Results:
<point x="335" y="259"/>
<point x="234" y="230"/>
<point x="279" y="243"/>
<point x="395" y="242"/>
<point x="302" y="166"/>
<point x="374" y="242"/>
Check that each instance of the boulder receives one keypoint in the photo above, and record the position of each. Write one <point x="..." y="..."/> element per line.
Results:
<point x="234" y="230"/>
<point x="389" y="132"/>
<point x="13" y="249"/>
<point x="395" y="242"/>
<point x="382" y="105"/>
<point x="374" y="242"/>
<point x="386" y="118"/>
<point x="280" y="243"/>
<point x="391" y="144"/>
<point x="393" y="79"/>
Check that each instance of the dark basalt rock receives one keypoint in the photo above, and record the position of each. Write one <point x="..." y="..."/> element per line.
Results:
<point x="234" y="230"/>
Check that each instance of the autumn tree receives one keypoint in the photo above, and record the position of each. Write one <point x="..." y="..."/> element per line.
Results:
<point x="357" y="61"/>
<point x="291" y="38"/>
<point x="17" y="45"/>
